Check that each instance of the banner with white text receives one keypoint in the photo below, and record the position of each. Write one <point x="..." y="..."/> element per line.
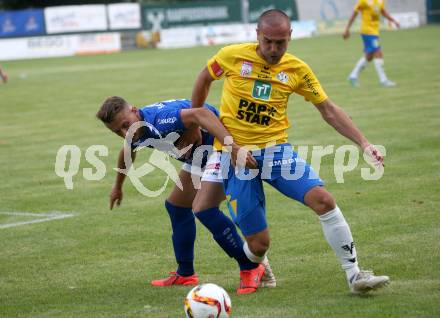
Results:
<point x="59" y="45"/>
<point x="124" y="16"/>
<point x="66" y="19"/>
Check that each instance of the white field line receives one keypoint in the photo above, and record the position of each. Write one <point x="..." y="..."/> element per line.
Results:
<point x="43" y="217"/>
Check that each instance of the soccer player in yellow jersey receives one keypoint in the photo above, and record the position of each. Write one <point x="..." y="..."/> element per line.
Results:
<point x="259" y="78"/>
<point x="371" y="10"/>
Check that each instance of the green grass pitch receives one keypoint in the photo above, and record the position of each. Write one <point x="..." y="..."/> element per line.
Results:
<point x="99" y="262"/>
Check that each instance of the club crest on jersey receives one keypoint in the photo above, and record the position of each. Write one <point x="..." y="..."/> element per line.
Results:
<point x="261" y="90"/>
<point x="283" y="77"/>
<point x="246" y="69"/>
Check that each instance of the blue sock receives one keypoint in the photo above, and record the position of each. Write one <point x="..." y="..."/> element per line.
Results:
<point x="184" y="235"/>
<point x="225" y="234"/>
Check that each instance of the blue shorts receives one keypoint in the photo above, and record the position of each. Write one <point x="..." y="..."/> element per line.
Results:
<point x="371" y="43"/>
<point x="280" y="167"/>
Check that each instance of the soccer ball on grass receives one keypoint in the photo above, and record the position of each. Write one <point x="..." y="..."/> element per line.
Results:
<point x="207" y="301"/>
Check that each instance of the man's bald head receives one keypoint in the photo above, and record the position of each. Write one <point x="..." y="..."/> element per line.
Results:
<point x="273" y="18"/>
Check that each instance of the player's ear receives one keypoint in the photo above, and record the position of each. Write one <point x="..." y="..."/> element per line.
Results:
<point x="259" y="35"/>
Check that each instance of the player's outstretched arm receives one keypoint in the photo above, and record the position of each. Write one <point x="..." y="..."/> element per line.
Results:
<point x="338" y="119"/>
<point x="390" y="18"/>
<point x="346" y="33"/>
<point x="116" y="192"/>
<point x="206" y="119"/>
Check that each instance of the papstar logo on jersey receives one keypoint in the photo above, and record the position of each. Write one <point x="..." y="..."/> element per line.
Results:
<point x="246" y="69"/>
<point x="261" y="90"/>
<point x="255" y="113"/>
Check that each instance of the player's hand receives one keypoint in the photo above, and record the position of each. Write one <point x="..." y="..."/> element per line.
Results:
<point x="191" y="136"/>
<point x="397" y="24"/>
<point x="374" y="154"/>
<point x="115" y="196"/>
<point x="346" y="34"/>
<point x="241" y="157"/>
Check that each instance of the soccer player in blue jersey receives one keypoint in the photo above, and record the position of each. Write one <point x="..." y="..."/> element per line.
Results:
<point x="177" y="116"/>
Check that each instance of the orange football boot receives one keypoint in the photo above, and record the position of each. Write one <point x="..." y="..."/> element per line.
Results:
<point x="176" y="279"/>
<point x="250" y="279"/>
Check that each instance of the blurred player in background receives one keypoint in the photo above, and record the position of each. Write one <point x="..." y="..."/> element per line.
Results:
<point x="259" y="79"/>
<point x="370" y="10"/>
<point x="3" y="75"/>
<point x="177" y="116"/>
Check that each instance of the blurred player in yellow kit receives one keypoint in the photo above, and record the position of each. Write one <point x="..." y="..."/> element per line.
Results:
<point x="259" y="79"/>
<point x="370" y="10"/>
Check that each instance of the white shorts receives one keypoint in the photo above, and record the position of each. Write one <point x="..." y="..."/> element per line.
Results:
<point x="211" y="172"/>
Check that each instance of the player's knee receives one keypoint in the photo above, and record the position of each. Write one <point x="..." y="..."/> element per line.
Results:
<point x="196" y="207"/>
<point x="325" y="203"/>
<point x="259" y="247"/>
<point x="320" y="200"/>
<point x="199" y="204"/>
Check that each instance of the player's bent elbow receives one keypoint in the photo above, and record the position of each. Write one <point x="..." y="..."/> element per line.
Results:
<point x="201" y="115"/>
<point x="193" y="117"/>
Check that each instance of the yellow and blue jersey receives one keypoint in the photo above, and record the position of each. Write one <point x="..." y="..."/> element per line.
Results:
<point x="371" y="11"/>
<point x="255" y="94"/>
<point x="254" y="110"/>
